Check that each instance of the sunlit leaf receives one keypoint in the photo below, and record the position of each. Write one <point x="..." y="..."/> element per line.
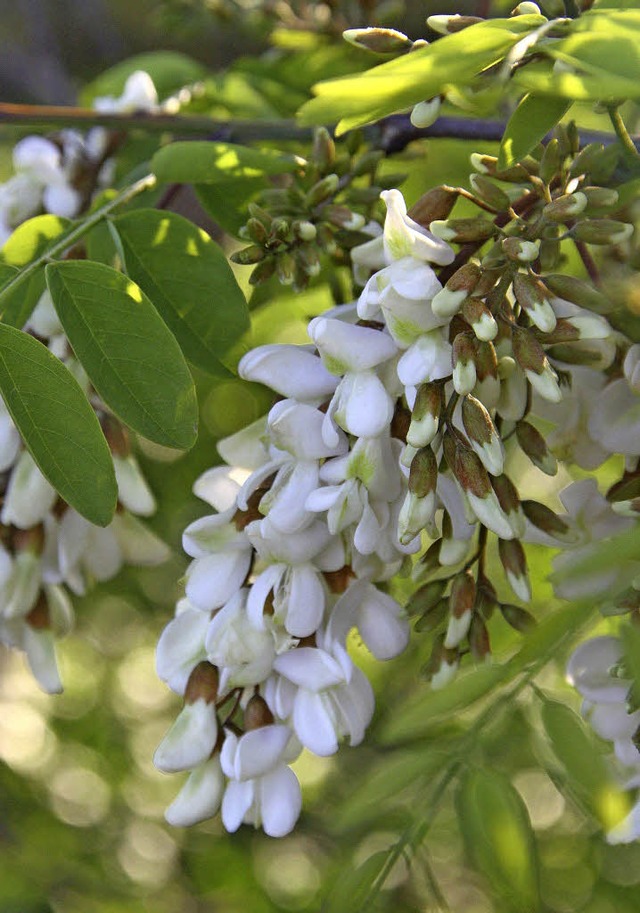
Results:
<point x="529" y="123"/>
<point x="211" y="162"/>
<point x="57" y="424"/>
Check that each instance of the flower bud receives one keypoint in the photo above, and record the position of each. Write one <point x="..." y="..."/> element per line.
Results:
<point x="257" y="714"/>
<point x="461" y="602"/>
<point x="533" y="298"/>
<point x="263" y="271"/>
<point x="550" y="161"/>
<point x="436" y="203"/>
<point x="526" y="8"/>
<point x="249" y="255"/>
<point x="603" y="231"/>
<point x="426" y="597"/>
<point x="479" y="642"/>
<point x="323" y="189"/>
<point x="518" y="618"/>
<point x="627" y="489"/>
<point x="463" y="230"/>
<point x="442" y="665"/>
<point x="425" y="417"/>
<point x="530" y="356"/>
<point x="579" y="292"/>
<point x="534" y="445"/>
<point x="448" y="300"/>
<point x="489" y="192"/>
<point x="378" y="40"/>
<point x="202" y="684"/>
<point x="509" y="501"/>
<point x="582" y="326"/>
<point x="464" y="366"/>
<point x="486" y="164"/>
<point x="566" y="207"/>
<point x="452" y="550"/>
<point x="256" y="231"/>
<point x="486" y="597"/>
<point x="548" y="521"/>
<point x="480" y="319"/>
<point x="449" y="24"/>
<point x="419" y="505"/>
<point x="428" y="563"/>
<point x="426" y="113"/>
<point x="519" y="250"/>
<point x="304" y="230"/>
<point x="367" y="162"/>
<point x="600" y="197"/>
<point x="432" y="617"/>
<point x="474" y="481"/>
<point x="286" y="268"/>
<point x="514" y="563"/>
<point x="586" y="159"/>
<point x="323" y="150"/>
<point x="550" y="254"/>
<point x="482" y="434"/>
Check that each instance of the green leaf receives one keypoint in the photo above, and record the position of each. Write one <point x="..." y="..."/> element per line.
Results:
<point x="579" y="753"/>
<point x="529" y="123"/>
<point x="351" y="891"/>
<point x="499" y="838"/>
<point x="187" y="277"/>
<point x="28" y="241"/>
<point x="57" y="424"/>
<point x="226" y="202"/>
<point x="169" y="71"/>
<point x="454" y="59"/>
<point x="211" y="162"/>
<point x="132" y="360"/>
<point x="600" y="56"/>
<point x="417" y="716"/>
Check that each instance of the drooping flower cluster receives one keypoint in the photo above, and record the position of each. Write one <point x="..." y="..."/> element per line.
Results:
<point x="596" y="670"/>
<point x="59" y="174"/>
<point x="46" y="547"/>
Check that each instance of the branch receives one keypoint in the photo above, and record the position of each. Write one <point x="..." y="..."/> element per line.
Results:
<point x="392" y="134"/>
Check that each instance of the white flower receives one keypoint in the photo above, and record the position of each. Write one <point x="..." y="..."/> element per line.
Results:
<point x="292" y="371"/>
<point x="182" y="646"/>
<point x="29" y="496"/>
<point x="402" y="237"/>
<point x="243" y="653"/>
<point x="200" y="797"/>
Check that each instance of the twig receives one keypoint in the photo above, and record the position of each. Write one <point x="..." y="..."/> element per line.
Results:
<point x="631" y="153"/>
<point x="588" y="262"/>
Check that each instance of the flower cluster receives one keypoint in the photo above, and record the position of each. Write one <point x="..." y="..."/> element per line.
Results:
<point x="388" y="434"/>
<point x="596" y="670"/>
<point x="59" y="174"/>
<point x="46" y="548"/>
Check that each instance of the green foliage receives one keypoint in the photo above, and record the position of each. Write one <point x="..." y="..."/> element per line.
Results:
<point x="169" y="70"/>
<point x="528" y="124"/>
<point x="499" y="838"/>
<point x="131" y="358"/>
<point x="57" y="424"/>
<point x="189" y="280"/>
<point x="212" y="163"/>
<point x="457" y="59"/>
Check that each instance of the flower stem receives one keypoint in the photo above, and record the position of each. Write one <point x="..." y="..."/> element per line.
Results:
<point x="630" y="151"/>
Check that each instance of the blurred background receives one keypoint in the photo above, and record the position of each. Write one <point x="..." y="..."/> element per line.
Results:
<point x="81" y="805"/>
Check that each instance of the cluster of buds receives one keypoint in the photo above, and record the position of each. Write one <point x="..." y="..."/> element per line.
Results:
<point x="47" y="550"/>
<point x="321" y="209"/>
<point x="59" y="174"/>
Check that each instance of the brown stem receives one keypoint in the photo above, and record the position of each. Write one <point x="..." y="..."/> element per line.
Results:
<point x="588" y="261"/>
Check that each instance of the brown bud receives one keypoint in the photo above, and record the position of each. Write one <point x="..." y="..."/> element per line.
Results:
<point x="202" y="684"/>
<point x="603" y="231"/>
<point x="257" y="714"/>
<point x="432" y="617"/>
<point x="514" y="563"/>
<point x="518" y="618"/>
<point x="426" y="597"/>
<point x="463" y="594"/>
<point x="547" y="520"/>
<point x="323" y="151"/>
<point x="256" y="231"/>
<point x="463" y="231"/>
<point x="479" y="642"/>
<point x="519" y="250"/>
<point x="39" y="617"/>
<point x="378" y="40"/>
<point x="486" y="597"/>
<point x="477" y="421"/>
<point x="449" y="24"/>
<point x="586" y="159"/>
<point x="470" y="473"/>
<point x="627" y="489"/>
<point x="600" y="197"/>
<point x="479" y="318"/>
<point x="28" y="540"/>
<point x="116" y="434"/>
<point x="249" y="255"/>
<point x="433" y="205"/>
<point x="535" y="447"/>
<point x="423" y="473"/>
<point x="486" y="360"/>
<point x="322" y="190"/>
<point x="579" y="292"/>
<point x="527" y="351"/>
<point x="489" y="192"/>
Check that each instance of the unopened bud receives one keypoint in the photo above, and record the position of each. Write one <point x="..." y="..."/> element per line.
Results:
<point x="579" y="292"/>
<point x="509" y="501"/>
<point x="582" y="326"/>
<point x="480" y="318"/>
<point x="452" y="550"/>
<point x="367" y="163"/>
<point x="429" y="562"/>
<point x="378" y="40"/>
<point x="482" y="434"/>
<point x="307" y="259"/>
<point x="257" y="212"/>
<point x="586" y="160"/>
<point x="249" y="255"/>
<point x="566" y="207"/>
<point x="474" y="481"/>
<point x="520" y="251"/>
<point x="479" y="642"/>
<point x="304" y="230"/>
<point x="531" y="357"/>
<point x="603" y="231"/>
<point x="263" y="271"/>
<point x="489" y="192"/>
<point x="518" y="618"/>
<point x="432" y="617"/>
<point x="449" y="24"/>
<point x="322" y="190"/>
<point x="533" y="297"/>
<point x="464" y="366"/>
<point x="425" y="417"/>
<point x="550" y="161"/>
<point x="514" y="563"/>
<point x="423" y="474"/>
<point x="550" y="253"/>
<point x="600" y="197"/>
<point x="442" y="665"/>
<point x="449" y="299"/>
<point x="286" y="268"/>
<point x="487" y="164"/>
<point x="323" y="151"/>
<point x="461" y="602"/>
<point x="436" y="203"/>
<point x="116" y="434"/>
<point x="202" y="684"/>
<point x="426" y="597"/>
<point x="526" y="8"/>
<point x="343" y="217"/>
<point x="256" y="231"/>
<point x="535" y="447"/>
<point x="326" y="238"/>
<point x="548" y="522"/>
<point x="486" y="597"/>
<point x="426" y="113"/>
<point x="257" y="714"/>
<point x="462" y="231"/>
